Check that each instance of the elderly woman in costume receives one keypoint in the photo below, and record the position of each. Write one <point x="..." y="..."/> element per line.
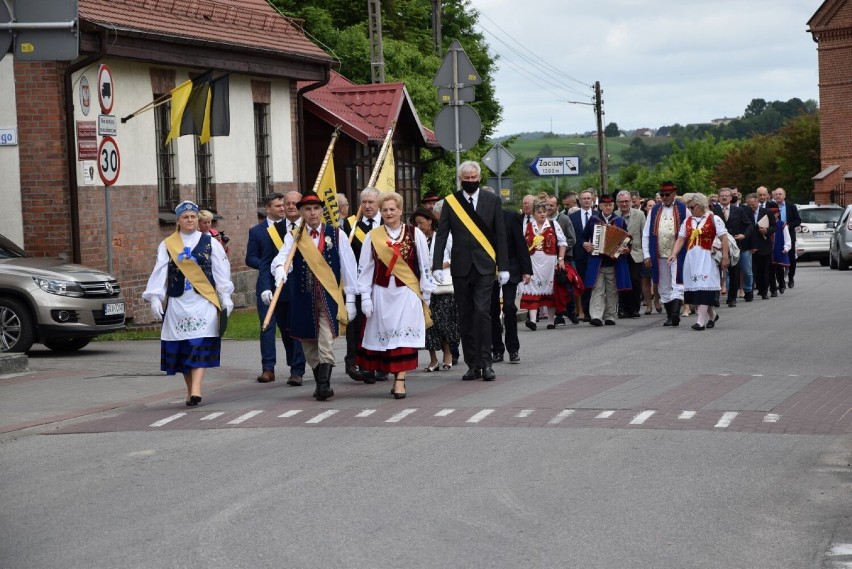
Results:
<point x="781" y="245"/>
<point x="701" y="278"/>
<point x="395" y="284"/>
<point x="444" y="332"/>
<point x="193" y="273"/>
<point x="547" y="244"/>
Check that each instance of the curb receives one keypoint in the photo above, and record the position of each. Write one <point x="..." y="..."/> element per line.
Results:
<point x="13" y="363"/>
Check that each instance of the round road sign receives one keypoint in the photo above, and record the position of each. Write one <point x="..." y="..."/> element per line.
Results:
<point x="109" y="160"/>
<point x="470" y="127"/>
<point x="106" y="89"/>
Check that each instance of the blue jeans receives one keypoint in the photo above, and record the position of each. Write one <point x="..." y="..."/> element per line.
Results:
<point x="293" y="348"/>
<point x="747" y="275"/>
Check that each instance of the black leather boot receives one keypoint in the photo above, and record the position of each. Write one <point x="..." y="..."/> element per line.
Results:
<point x="668" y="307"/>
<point x="676" y="306"/>
<point x="324" y="390"/>
<point x="316" y="376"/>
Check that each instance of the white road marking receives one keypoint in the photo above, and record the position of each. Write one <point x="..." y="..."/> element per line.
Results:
<point x="604" y="415"/>
<point x="524" y="413"/>
<point x="322" y="416"/>
<point x="401" y="415"/>
<point x="290" y="413"/>
<point x="162" y="422"/>
<point x="771" y="418"/>
<point x="560" y="416"/>
<point x="641" y="417"/>
<point x="841" y="549"/>
<point x="726" y="419"/>
<point x="686" y="415"/>
<point x="366" y="413"/>
<point x="244" y="417"/>
<point x="444" y="412"/>
<point x="480" y="416"/>
<point x="211" y="416"/>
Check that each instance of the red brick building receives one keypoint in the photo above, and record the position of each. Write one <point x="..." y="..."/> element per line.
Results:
<point x="831" y="28"/>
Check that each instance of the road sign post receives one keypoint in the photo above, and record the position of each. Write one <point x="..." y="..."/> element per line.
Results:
<point x="498" y="160"/>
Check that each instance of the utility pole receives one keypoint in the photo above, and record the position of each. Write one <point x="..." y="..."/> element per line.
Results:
<point x="436" y="26"/>
<point x="601" y="138"/>
<point x="377" y="54"/>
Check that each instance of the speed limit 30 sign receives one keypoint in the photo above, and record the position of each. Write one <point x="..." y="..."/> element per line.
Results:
<point x="109" y="160"/>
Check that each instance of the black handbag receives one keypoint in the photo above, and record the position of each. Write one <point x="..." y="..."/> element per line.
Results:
<point x="223" y="322"/>
<point x="561" y="277"/>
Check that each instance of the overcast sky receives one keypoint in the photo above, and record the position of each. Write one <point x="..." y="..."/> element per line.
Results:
<point x="659" y="62"/>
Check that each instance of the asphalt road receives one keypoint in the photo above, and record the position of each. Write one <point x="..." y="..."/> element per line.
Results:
<point x="628" y="446"/>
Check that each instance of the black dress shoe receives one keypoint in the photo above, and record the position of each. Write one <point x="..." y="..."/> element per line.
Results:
<point x="530" y="324"/>
<point x="781" y="289"/>
<point x="791" y="282"/>
<point x="471" y="374"/>
<point x="368" y="377"/>
<point x="497" y="358"/>
<point x="514" y="358"/>
<point x="609" y="322"/>
<point x="712" y="323"/>
<point x="732" y="303"/>
<point x="381" y="376"/>
<point x="697" y="327"/>
<point x="354" y="372"/>
<point x="488" y="374"/>
<point x="195" y="399"/>
<point x="573" y="319"/>
<point x="774" y="294"/>
<point x="764" y="296"/>
<point x="455" y="360"/>
<point x="749" y="296"/>
<point x="596" y="322"/>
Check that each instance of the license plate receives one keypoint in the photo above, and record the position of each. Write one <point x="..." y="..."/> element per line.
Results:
<point x="822" y="233"/>
<point x="113" y="309"/>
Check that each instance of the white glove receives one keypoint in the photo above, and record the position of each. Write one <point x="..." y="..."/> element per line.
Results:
<point x="351" y="312"/>
<point x="266" y="296"/>
<point x="157" y="308"/>
<point x="438" y="275"/>
<point x="280" y="276"/>
<point x="427" y="300"/>
<point x="503" y="277"/>
<point x="228" y="304"/>
<point x="367" y="306"/>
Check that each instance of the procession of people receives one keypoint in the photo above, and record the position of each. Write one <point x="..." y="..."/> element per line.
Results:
<point x="456" y="271"/>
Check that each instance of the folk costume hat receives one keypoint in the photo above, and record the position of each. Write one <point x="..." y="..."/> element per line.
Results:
<point x="772" y="206"/>
<point x="186" y="206"/>
<point x="606" y="198"/>
<point x="310" y="198"/>
<point x="430" y="197"/>
<point x="667" y="187"/>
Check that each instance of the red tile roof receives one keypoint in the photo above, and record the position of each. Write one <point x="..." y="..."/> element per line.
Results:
<point x="364" y="112"/>
<point x="252" y="24"/>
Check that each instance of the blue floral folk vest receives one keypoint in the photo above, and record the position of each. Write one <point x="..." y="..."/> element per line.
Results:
<point x="176" y="282"/>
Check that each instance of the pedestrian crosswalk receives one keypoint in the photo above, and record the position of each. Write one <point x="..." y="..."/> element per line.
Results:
<point x="715" y="420"/>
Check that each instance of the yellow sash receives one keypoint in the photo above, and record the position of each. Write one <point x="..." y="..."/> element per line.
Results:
<point x="191" y="271"/>
<point x="468" y="222"/>
<point x="323" y="273"/>
<point x="400" y="270"/>
<point x="276" y="238"/>
<point x="359" y="233"/>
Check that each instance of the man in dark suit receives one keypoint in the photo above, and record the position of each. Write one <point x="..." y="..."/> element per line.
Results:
<point x="761" y="245"/>
<point x="264" y="241"/>
<point x="579" y="219"/>
<point x="520" y="269"/>
<point x="790" y="216"/>
<point x="740" y="225"/>
<point x="479" y="251"/>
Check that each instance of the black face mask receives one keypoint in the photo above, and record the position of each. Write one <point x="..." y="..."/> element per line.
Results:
<point x="470" y="187"/>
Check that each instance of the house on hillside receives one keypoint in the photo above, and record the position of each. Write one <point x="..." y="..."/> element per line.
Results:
<point x="646" y="132"/>
<point x="722" y="121"/>
<point x="831" y="29"/>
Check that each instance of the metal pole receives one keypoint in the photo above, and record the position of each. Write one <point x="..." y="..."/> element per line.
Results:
<point x="499" y="175"/>
<point x="556" y="186"/>
<point x="108" y="228"/>
<point x="455" y="104"/>
<point x="601" y="140"/>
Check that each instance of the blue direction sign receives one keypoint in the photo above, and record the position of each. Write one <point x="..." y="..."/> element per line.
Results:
<point x="556" y="166"/>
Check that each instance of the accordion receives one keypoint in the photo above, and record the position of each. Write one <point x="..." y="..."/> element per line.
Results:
<point x="608" y="240"/>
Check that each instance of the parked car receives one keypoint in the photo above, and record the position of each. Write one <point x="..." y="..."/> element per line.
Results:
<point x="49" y="301"/>
<point x="840" y="246"/>
<point x="813" y="235"/>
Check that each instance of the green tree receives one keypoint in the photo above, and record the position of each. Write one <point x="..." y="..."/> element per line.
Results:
<point x="612" y="130"/>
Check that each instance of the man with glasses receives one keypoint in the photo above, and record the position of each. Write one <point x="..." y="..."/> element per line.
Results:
<point x="658" y="239"/>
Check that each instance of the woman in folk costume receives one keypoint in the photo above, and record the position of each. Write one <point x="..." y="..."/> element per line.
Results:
<point x="444" y="331"/>
<point x="546" y="243"/>
<point x="701" y="277"/>
<point x="781" y="245"/>
<point x="193" y="273"/>
<point x="395" y="284"/>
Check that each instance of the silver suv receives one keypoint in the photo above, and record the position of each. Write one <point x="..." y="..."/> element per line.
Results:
<point x="60" y="305"/>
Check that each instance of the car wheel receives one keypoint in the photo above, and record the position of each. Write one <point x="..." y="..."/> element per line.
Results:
<point x="65" y="345"/>
<point x="16" y="326"/>
<point x="842" y="263"/>
<point x="832" y="262"/>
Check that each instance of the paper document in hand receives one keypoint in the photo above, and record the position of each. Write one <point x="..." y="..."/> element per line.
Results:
<point x="763" y="222"/>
